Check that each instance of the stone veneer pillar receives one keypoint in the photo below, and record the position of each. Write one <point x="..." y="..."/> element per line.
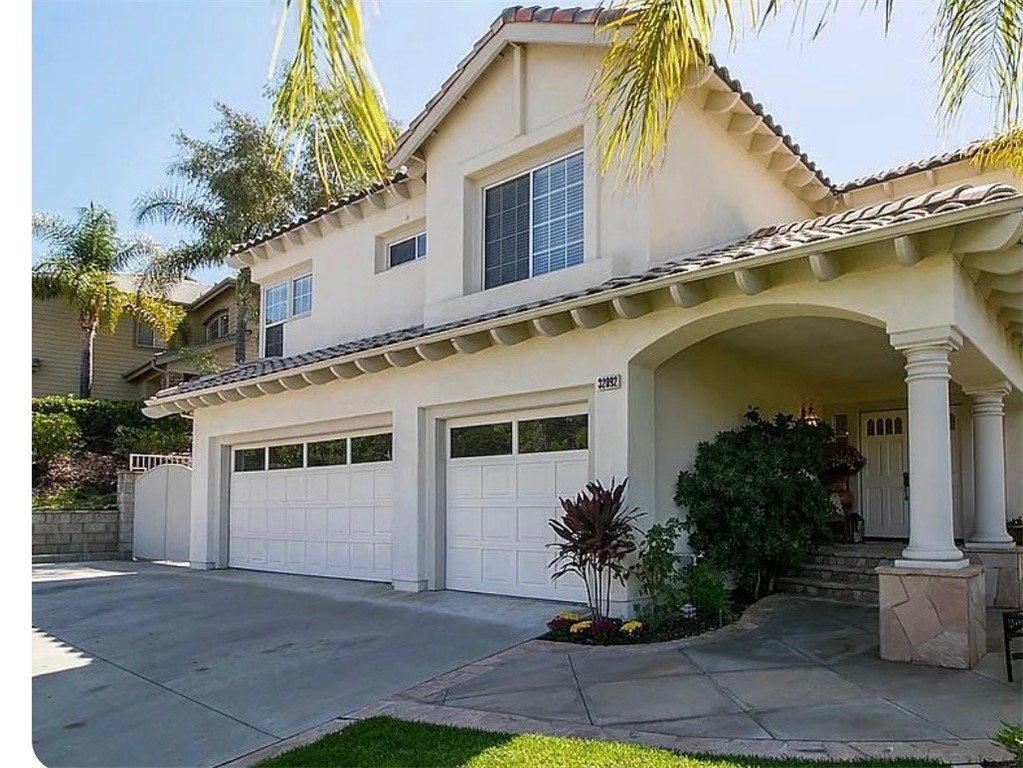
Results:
<point x="931" y="543"/>
<point x="989" y="466"/>
<point x="933" y="617"/>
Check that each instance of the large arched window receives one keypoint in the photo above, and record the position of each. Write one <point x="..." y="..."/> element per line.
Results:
<point x="217" y="327"/>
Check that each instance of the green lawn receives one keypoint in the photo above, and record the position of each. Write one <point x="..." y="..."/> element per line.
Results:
<point x="383" y="741"/>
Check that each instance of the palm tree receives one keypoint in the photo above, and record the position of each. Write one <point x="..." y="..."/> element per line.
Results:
<point x="80" y="268"/>
<point x="655" y="44"/>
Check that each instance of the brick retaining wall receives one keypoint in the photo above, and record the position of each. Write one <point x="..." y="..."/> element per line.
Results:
<point x="74" y="532"/>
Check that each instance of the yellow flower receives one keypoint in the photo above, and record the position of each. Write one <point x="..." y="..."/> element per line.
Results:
<point x="579" y="626"/>
<point x="569" y="616"/>
<point x="632" y="626"/>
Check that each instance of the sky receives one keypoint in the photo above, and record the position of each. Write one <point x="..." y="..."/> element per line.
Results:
<point x="113" y="81"/>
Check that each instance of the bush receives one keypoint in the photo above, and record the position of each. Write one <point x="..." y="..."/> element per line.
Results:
<point x="755" y="501"/>
<point x="659" y="572"/>
<point x="705" y="589"/>
<point x="117" y="426"/>
<point x="69" y="498"/>
<point x="83" y="472"/>
<point x="53" y="434"/>
<point x="1010" y="738"/>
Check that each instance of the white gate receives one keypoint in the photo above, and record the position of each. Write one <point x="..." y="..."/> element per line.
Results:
<point x="163" y="513"/>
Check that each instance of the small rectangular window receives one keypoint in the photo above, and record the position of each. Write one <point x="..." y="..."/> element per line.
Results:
<point x="273" y="341"/>
<point x="286" y="456"/>
<point x="327" y="453"/>
<point x="302" y="295"/>
<point x="562" y="433"/>
<point x="371" y="448"/>
<point x="481" y="440"/>
<point x="147" y="337"/>
<point x="407" y="250"/>
<point x="275" y="304"/>
<point x="250" y="460"/>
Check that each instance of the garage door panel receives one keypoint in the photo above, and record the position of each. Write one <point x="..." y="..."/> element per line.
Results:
<point x="337" y="523"/>
<point x="362" y="521"/>
<point x="533" y="528"/>
<point x="337" y="556"/>
<point x="294" y="555"/>
<point x="465" y="482"/>
<point x="382" y="555"/>
<point x="316" y="487"/>
<point x="383" y="484"/>
<point x="256" y="551"/>
<point x="382" y="521"/>
<point x="316" y="522"/>
<point x="339" y="487"/>
<point x="571" y="476"/>
<point x="276" y="488"/>
<point x="257" y="488"/>
<point x="240" y="488"/>
<point x="275" y="551"/>
<point x="465" y="524"/>
<point x="255" y="522"/>
<point x="276" y="520"/>
<point x="499" y="524"/>
<point x="362" y="556"/>
<point x="532" y="568"/>
<point x="536" y="478"/>
<point x="498" y="481"/>
<point x="363" y="484"/>
<point x="498" y="566"/>
<point x="463" y="565"/>
<point x="295" y="485"/>
<point x="315" y="555"/>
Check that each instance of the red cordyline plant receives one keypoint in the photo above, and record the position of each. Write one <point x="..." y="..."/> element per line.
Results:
<point x="596" y="535"/>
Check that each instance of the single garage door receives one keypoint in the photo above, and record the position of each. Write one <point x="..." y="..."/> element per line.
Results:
<point x="320" y="507"/>
<point x="504" y="479"/>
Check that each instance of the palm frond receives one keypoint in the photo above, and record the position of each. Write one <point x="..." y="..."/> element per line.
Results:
<point x="330" y="59"/>
<point x="980" y="52"/>
<point x="1004" y="150"/>
<point x="175" y="206"/>
<point x="654" y="46"/>
<point x="53" y="229"/>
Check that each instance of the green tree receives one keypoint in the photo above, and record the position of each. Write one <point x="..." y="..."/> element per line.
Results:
<point x="80" y="266"/>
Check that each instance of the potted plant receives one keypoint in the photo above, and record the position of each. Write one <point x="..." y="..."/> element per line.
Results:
<point x="843" y="462"/>
<point x="1015" y="528"/>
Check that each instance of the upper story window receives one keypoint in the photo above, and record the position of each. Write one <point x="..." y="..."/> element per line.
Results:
<point x="407" y="250"/>
<point x="282" y="301"/>
<point x="302" y="295"/>
<point x="147" y="337"/>
<point x="534" y="223"/>
<point x="218" y="326"/>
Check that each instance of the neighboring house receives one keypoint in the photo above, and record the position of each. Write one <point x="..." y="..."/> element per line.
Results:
<point x="134" y="362"/>
<point x="444" y="358"/>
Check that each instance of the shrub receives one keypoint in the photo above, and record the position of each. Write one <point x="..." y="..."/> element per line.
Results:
<point x="53" y="434"/>
<point x="596" y="535"/>
<point x="69" y="498"/>
<point x="171" y="434"/>
<point x="659" y="572"/>
<point x="754" y="498"/>
<point x="84" y="472"/>
<point x="705" y="588"/>
<point x="1010" y="738"/>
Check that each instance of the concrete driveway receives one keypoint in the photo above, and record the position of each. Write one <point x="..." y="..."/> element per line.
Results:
<point x="148" y="665"/>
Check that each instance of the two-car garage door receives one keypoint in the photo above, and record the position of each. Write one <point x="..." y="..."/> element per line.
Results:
<point x="504" y="478"/>
<point x="319" y="507"/>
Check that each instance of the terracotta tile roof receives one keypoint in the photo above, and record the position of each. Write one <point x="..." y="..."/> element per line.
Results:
<point x="535" y="14"/>
<point x="772" y="239"/>
<point x="916" y="166"/>
<point x="183" y="291"/>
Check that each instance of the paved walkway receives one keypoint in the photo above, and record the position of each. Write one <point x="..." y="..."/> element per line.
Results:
<point x="795" y="677"/>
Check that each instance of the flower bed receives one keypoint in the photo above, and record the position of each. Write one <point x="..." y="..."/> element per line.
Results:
<point x="575" y="628"/>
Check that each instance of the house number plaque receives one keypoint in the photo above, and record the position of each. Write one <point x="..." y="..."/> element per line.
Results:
<point x="606" y="383"/>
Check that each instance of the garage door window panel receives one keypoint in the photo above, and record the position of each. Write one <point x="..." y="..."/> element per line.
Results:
<point x="286" y="456"/>
<point x="371" y="448"/>
<point x="250" y="460"/>
<point x="481" y="440"/>
<point x="562" y="433"/>
<point x="327" y="453"/>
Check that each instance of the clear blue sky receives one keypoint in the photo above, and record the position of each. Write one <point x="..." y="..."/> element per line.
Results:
<point x="112" y="81"/>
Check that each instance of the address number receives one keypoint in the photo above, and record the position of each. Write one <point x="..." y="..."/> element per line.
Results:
<point x="604" y="383"/>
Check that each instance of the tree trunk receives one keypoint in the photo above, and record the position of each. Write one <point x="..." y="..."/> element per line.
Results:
<point x="85" y="366"/>
<point x="243" y="290"/>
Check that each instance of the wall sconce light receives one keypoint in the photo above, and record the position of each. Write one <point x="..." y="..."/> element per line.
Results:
<point x="807" y="414"/>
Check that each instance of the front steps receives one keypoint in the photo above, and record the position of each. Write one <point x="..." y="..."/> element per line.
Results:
<point x="843" y="572"/>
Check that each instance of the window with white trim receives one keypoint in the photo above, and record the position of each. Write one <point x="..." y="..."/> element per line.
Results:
<point x="407" y="250"/>
<point x="302" y="295"/>
<point x="275" y="312"/>
<point x="533" y="223"/>
<point x="218" y="326"/>
<point x="145" y="336"/>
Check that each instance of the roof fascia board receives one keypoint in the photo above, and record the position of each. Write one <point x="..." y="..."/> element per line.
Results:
<point x="936" y="221"/>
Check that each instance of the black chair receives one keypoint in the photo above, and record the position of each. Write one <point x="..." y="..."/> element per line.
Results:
<point x="1012" y="629"/>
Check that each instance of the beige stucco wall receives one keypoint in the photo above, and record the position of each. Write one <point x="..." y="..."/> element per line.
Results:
<point x="56" y="341"/>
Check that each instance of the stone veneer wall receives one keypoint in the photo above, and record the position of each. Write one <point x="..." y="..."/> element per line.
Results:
<point x="126" y="510"/>
<point x="1003" y="575"/>
<point x="934" y="617"/>
<point x="75" y="532"/>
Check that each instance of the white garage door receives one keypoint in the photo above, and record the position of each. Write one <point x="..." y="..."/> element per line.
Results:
<point x="504" y="479"/>
<point x="320" y="507"/>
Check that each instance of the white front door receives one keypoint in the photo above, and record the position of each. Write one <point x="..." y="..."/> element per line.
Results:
<point x="884" y="441"/>
<point x="320" y="507"/>
<point x="504" y="477"/>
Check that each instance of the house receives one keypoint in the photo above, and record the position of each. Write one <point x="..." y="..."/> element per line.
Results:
<point x="134" y="362"/>
<point x="444" y="356"/>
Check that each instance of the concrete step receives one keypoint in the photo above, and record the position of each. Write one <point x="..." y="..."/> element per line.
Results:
<point x="864" y="562"/>
<point x="846" y="574"/>
<point x="845" y="592"/>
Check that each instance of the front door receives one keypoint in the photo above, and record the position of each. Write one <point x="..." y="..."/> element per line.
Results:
<point x="884" y="441"/>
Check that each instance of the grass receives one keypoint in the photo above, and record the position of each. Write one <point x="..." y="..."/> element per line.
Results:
<point x="384" y="741"/>
<point x="71" y="498"/>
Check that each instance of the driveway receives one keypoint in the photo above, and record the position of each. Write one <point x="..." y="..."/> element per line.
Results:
<point x="797" y="677"/>
<point x="144" y="665"/>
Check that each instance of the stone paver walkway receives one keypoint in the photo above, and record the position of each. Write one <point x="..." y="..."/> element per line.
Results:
<point x="795" y="677"/>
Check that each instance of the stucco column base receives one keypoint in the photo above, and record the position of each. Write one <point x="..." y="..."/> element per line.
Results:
<point x="409" y="585"/>
<point x="930" y="561"/>
<point x="202" y="565"/>
<point x="934" y="617"/>
<point x="998" y="544"/>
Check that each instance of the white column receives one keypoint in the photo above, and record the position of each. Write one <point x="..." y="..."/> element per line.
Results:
<point x="989" y="466"/>
<point x="931" y="544"/>
<point x="408" y="519"/>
